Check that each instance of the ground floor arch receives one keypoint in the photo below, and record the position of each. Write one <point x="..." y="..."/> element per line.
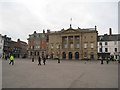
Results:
<point x="70" y="55"/>
<point x="64" y="55"/>
<point x="76" y="55"/>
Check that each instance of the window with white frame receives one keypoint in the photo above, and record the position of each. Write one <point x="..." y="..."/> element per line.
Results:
<point x="100" y="43"/>
<point x="106" y="43"/>
<point x="106" y="49"/>
<point x="115" y="43"/>
<point x="115" y="49"/>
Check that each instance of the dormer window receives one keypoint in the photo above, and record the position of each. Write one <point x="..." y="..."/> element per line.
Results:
<point x="101" y="38"/>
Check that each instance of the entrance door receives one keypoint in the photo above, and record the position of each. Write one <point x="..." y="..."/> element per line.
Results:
<point x="70" y="55"/>
<point x="64" y="55"/>
<point x="77" y="55"/>
<point x="92" y="57"/>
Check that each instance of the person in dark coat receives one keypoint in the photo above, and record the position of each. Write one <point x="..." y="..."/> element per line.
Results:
<point x="107" y="60"/>
<point x="32" y="59"/>
<point x="101" y="60"/>
<point x="39" y="60"/>
<point x="58" y="60"/>
<point x="44" y="60"/>
<point x="119" y="60"/>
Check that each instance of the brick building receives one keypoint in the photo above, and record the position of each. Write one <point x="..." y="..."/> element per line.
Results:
<point x="37" y="44"/>
<point x="23" y="48"/>
<point x="14" y="49"/>
<point x="6" y="46"/>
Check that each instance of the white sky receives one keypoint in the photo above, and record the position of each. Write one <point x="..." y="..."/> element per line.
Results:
<point x="19" y="18"/>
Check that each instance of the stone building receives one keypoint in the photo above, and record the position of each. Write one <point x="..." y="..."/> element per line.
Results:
<point x="37" y="44"/>
<point x="73" y="43"/>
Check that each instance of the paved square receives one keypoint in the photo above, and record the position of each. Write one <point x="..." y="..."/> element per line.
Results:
<point x="67" y="74"/>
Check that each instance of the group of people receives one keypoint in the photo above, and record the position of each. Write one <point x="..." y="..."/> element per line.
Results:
<point x="107" y="60"/>
<point x="39" y="60"/>
<point x="44" y="60"/>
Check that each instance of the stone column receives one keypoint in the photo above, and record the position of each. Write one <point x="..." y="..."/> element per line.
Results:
<point x="73" y="54"/>
<point x="73" y="42"/>
<point x="67" y="55"/>
<point x="81" y="47"/>
<point x="67" y="43"/>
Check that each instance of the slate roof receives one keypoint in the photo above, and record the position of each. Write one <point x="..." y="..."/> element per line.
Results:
<point x="114" y="37"/>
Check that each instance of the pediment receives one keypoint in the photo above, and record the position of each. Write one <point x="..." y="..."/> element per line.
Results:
<point x="70" y="31"/>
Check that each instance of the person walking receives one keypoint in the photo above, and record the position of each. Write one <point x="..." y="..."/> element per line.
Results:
<point x="58" y="60"/>
<point x="108" y="60"/>
<point x="39" y="60"/>
<point x="6" y="56"/>
<point x="11" y="59"/>
<point x="44" y="60"/>
<point x="32" y="59"/>
<point x="101" y="60"/>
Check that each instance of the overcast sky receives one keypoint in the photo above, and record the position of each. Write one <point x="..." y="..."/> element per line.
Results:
<point x="19" y="18"/>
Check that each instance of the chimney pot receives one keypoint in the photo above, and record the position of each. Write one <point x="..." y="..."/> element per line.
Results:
<point x="110" y="31"/>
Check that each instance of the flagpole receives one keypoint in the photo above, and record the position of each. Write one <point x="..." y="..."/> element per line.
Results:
<point x="70" y="22"/>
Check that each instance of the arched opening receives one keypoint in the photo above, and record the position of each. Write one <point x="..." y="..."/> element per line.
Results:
<point x="70" y="55"/>
<point x="92" y="57"/>
<point x="51" y="56"/>
<point x="64" y="55"/>
<point x="76" y="55"/>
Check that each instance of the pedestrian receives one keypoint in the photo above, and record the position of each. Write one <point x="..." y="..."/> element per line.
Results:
<point x="119" y="59"/>
<point x="11" y="59"/>
<point x="101" y="60"/>
<point x="6" y="57"/>
<point x="39" y="60"/>
<point x="107" y="60"/>
<point x="32" y="59"/>
<point x="44" y="60"/>
<point x="58" y="60"/>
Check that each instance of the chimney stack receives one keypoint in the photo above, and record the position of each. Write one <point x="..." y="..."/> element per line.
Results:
<point x="110" y="31"/>
<point x="95" y="28"/>
<point x="48" y="30"/>
<point x="34" y="32"/>
<point x="43" y="31"/>
<point x="18" y="40"/>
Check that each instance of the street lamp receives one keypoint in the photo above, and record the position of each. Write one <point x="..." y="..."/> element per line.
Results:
<point x="52" y="52"/>
<point x="58" y="53"/>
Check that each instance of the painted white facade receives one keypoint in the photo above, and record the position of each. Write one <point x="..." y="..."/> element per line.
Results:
<point x="1" y="45"/>
<point x="111" y="46"/>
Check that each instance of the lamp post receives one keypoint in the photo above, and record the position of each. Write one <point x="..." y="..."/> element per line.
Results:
<point x="58" y="53"/>
<point x="52" y="52"/>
